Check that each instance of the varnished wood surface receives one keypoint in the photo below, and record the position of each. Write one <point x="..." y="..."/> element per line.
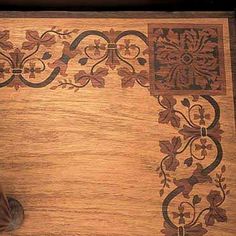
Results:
<point x="84" y="163"/>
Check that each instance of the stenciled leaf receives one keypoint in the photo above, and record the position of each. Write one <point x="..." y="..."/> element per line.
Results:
<point x="83" y="61"/>
<point x="142" y="61"/>
<point x="46" y="56"/>
<point x="188" y="162"/>
<point x="196" y="200"/>
<point x="185" y="102"/>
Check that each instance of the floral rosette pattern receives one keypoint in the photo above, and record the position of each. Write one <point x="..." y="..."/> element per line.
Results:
<point x="187" y="59"/>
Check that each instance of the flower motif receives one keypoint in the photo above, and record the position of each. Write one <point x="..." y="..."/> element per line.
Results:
<point x="186" y="58"/>
<point x="127" y="46"/>
<point x="31" y="70"/>
<point x="203" y="147"/>
<point x="17" y="58"/>
<point x="169" y="114"/>
<point x="202" y="116"/>
<point x="112" y="35"/>
<point x="112" y="55"/>
<point x="216" y="213"/>
<point x="97" y="47"/>
<point x="181" y="215"/>
<point x="3" y="70"/>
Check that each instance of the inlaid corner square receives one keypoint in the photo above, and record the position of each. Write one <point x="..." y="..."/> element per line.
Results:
<point x="186" y="59"/>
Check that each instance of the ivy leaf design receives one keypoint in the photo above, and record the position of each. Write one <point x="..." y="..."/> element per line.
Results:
<point x="169" y="115"/>
<point x="5" y="44"/>
<point x="196" y="200"/>
<point x="216" y="213"/>
<point x="170" y="148"/>
<point x="33" y="40"/>
<point x="188" y="162"/>
<point x="83" y="61"/>
<point x="46" y="56"/>
<point x="129" y="78"/>
<point x="161" y="192"/>
<point x="97" y="78"/>
<point x="185" y="102"/>
<point x="142" y="61"/>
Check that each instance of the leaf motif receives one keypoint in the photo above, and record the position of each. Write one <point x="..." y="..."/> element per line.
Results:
<point x="101" y="72"/>
<point x="54" y="87"/>
<point x="188" y="162"/>
<point x="142" y="61"/>
<point x="196" y="200"/>
<point x="46" y="56"/>
<point x="5" y="44"/>
<point x="83" y="61"/>
<point x="28" y="45"/>
<point x="33" y="40"/>
<point x="168" y="102"/>
<point x="171" y="163"/>
<point x="170" y="148"/>
<point x="185" y="102"/>
<point x="161" y="192"/>
<point x="223" y="169"/>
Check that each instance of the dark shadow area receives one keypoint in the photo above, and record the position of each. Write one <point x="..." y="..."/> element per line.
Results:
<point x="118" y="5"/>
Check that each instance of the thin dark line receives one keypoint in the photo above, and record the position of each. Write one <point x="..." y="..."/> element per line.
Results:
<point x="117" y="14"/>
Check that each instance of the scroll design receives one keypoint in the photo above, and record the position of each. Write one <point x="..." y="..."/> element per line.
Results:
<point x="18" y="64"/>
<point x="109" y="50"/>
<point x="200" y="135"/>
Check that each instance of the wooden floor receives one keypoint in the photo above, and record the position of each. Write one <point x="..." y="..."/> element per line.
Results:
<point x="120" y="125"/>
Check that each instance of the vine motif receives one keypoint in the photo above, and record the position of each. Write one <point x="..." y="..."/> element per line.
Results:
<point x="108" y="49"/>
<point x="17" y="63"/>
<point x="199" y="134"/>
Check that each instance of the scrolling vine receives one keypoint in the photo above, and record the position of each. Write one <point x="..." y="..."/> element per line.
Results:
<point x="199" y="133"/>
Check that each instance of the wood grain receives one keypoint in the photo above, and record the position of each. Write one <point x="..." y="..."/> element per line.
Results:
<point x="85" y="163"/>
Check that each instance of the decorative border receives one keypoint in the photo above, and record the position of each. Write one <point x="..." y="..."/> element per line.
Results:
<point x="205" y="135"/>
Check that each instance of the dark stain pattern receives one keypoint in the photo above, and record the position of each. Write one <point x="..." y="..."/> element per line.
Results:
<point x="183" y="59"/>
<point x="186" y="59"/>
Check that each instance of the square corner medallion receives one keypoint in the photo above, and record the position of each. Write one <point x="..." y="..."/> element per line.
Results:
<point x="186" y="59"/>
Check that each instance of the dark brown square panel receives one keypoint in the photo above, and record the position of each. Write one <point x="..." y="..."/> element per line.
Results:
<point x="186" y="59"/>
